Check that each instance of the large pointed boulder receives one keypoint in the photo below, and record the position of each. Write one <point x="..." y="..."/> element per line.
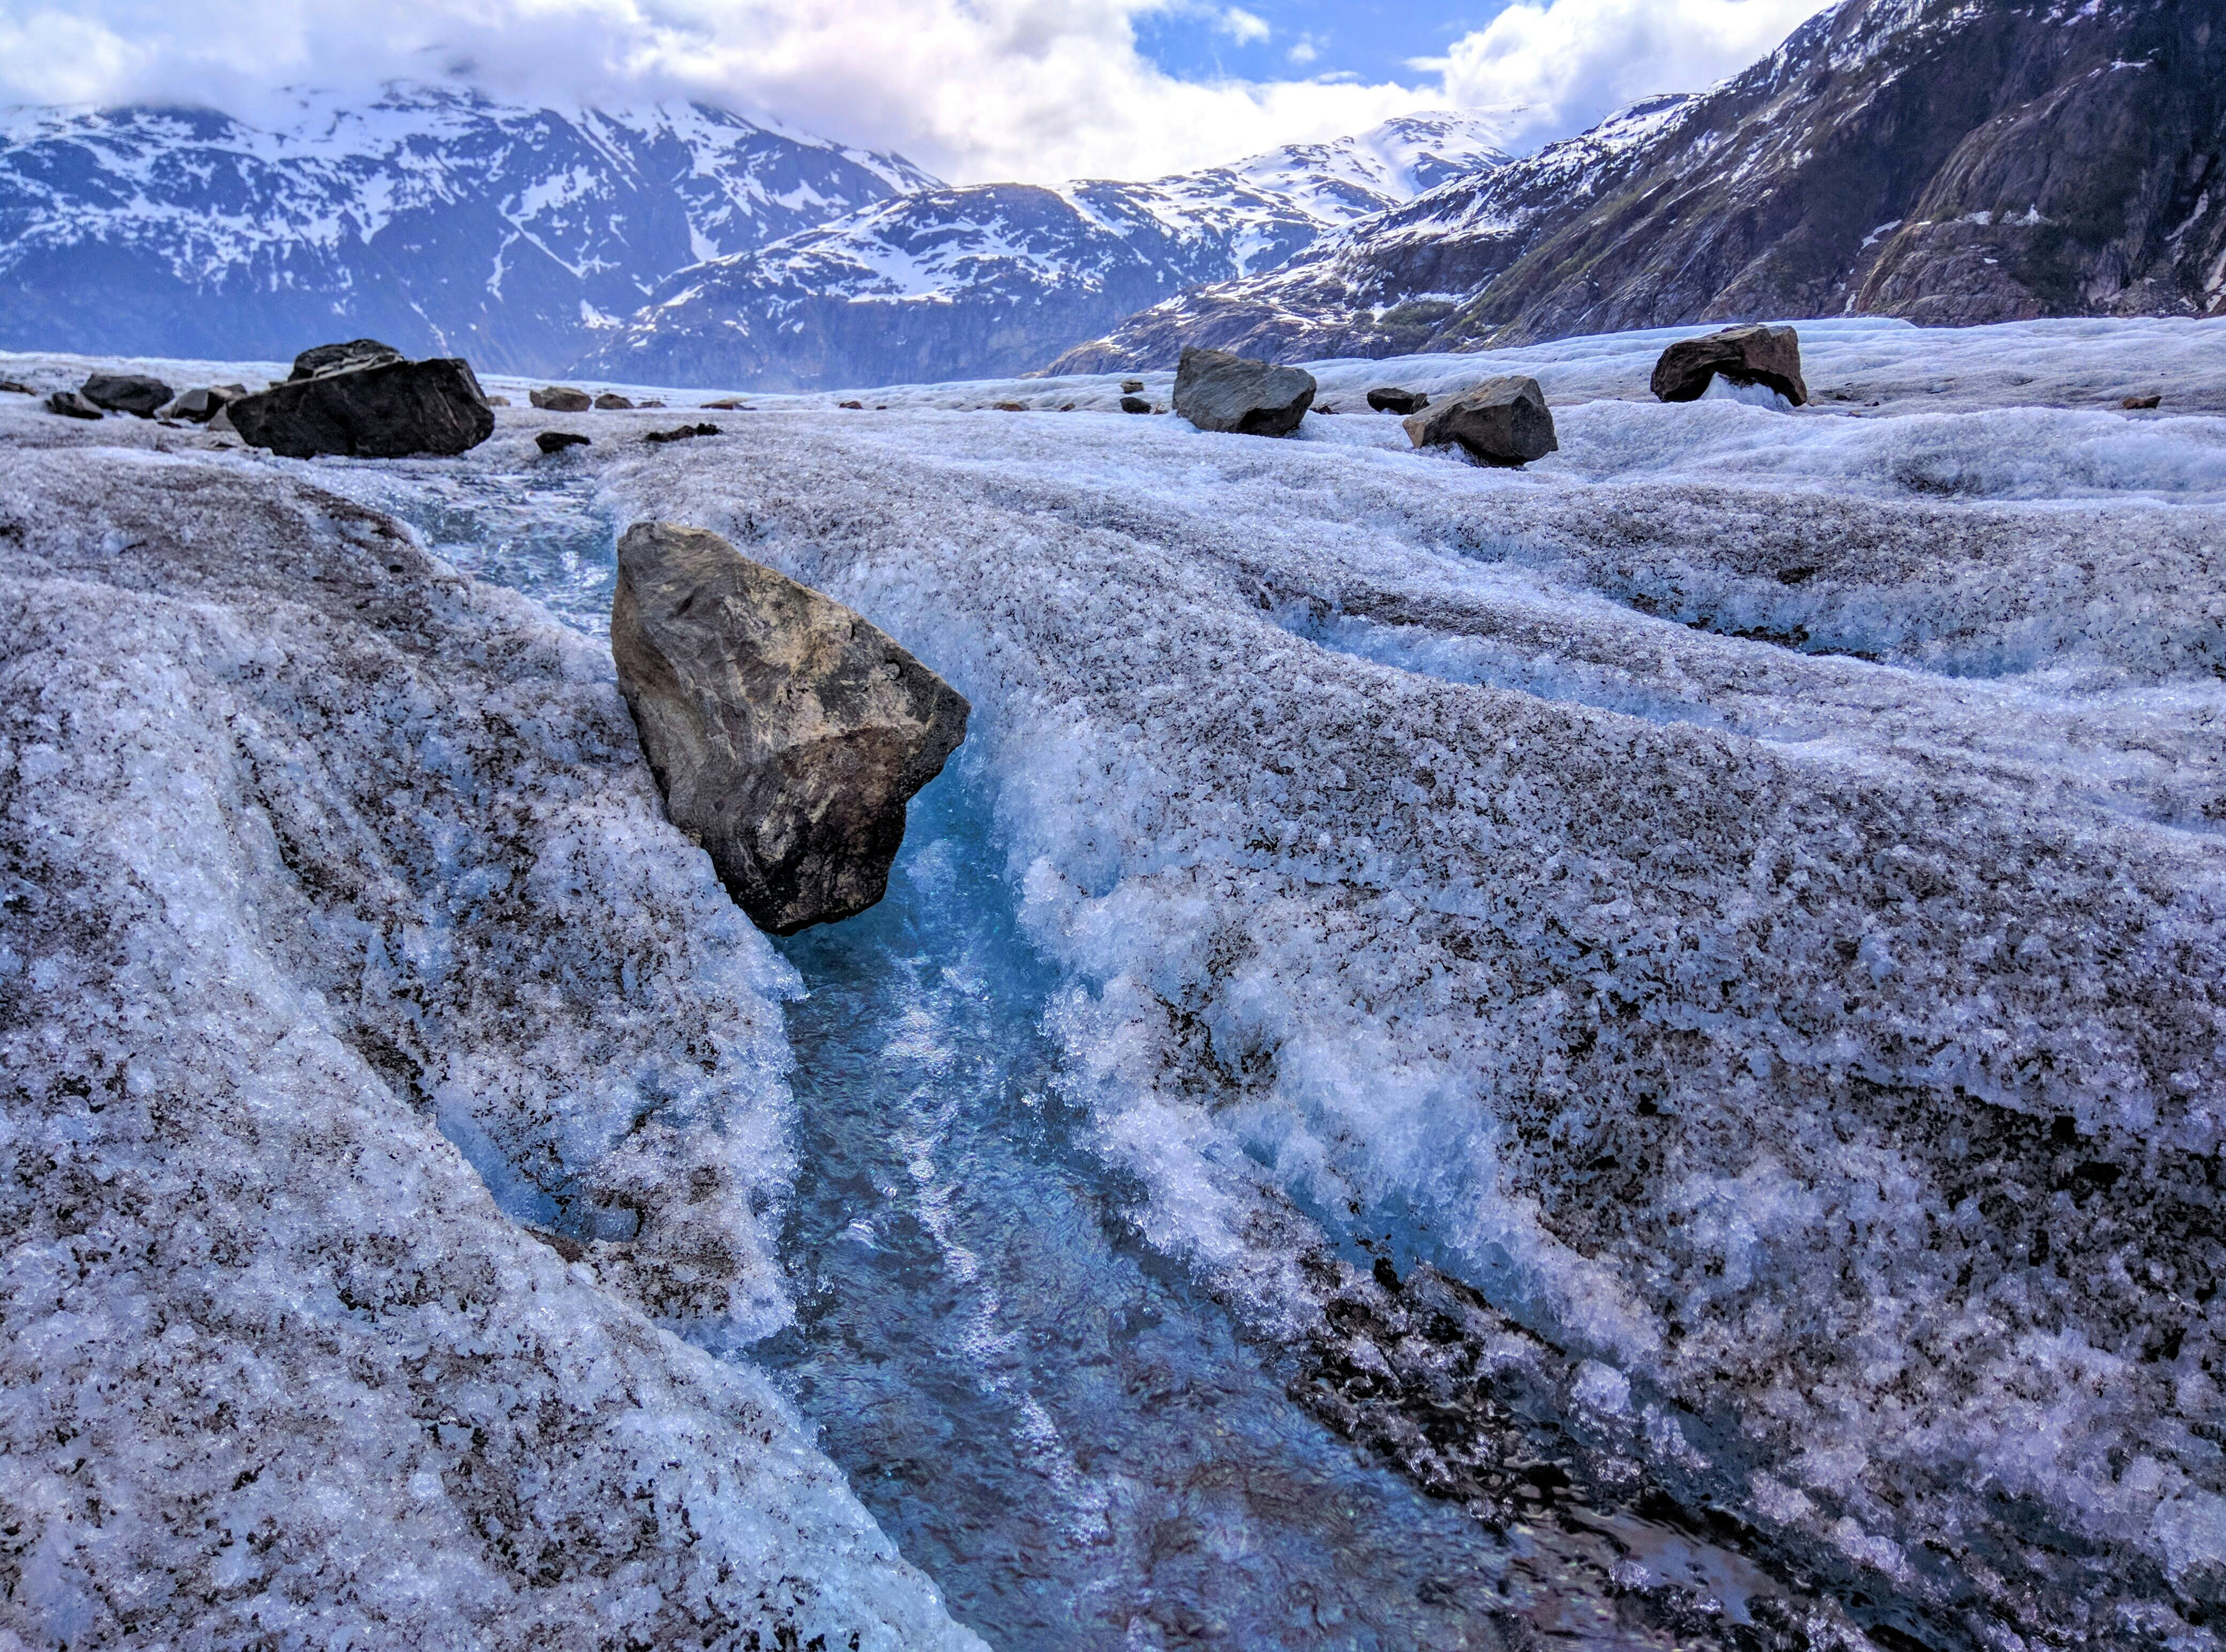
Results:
<point x="1217" y="390"/>
<point x="786" y="732"/>
<point x="1503" y="421"/>
<point x="1756" y="354"/>
<point x="377" y="408"/>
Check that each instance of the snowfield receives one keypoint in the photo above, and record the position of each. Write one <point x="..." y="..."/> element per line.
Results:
<point x="1745" y="894"/>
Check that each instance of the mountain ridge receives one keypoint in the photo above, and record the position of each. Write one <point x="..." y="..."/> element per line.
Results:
<point x="1945" y="161"/>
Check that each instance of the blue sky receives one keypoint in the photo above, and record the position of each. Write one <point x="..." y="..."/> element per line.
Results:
<point x="1365" y="40"/>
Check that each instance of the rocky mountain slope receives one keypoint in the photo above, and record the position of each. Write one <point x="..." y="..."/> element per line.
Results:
<point x="1951" y="161"/>
<point x="432" y="218"/>
<point x="998" y="279"/>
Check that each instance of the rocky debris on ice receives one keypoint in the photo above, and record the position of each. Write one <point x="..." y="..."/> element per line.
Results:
<point x="72" y="405"/>
<point x="320" y="360"/>
<point x="681" y="433"/>
<point x="1504" y="421"/>
<point x="1743" y="892"/>
<point x="1389" y="398"/>
<point x="1769" y="356"/>
<point x="611" y="402"/>
<point x="1216" y="390"/>
<point x="368" y="407"/>
<point x="1134" y="405"/>
<point x="557" y="441"/>
<point x="343" y="937"/>
<point x="561" y="398"/>
<point x="202" y="403"/>
<point x="138" y="394"/>
<point x="786" y="732"/>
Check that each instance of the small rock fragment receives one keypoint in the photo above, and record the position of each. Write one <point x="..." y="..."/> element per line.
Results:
<point x="560" y="398"/>
<point x="1217" y="390"/>
<point x="2140" y="403"/>
<point x="1502" y="422"/>
<point x="855" y="407"/>
<point x="557" y="441"/>
<point x="726" y="405"/>
<point x="71" y="405"/>
<point x="497" y="401"/>
<point x="1754" y="355"/>
<point x="682" y="433"/>
<point x="14" y="387"/>
<point x="1010" y="407"/>
<point x="1389" y="398"/>
<point x="611" y="402"/>
<point x="199" y="405"/>
<point x="785" y="731"/>
<point x="1134" y="405"/>
<point x="134" y="393"/>
<point x="1131" y="386"/>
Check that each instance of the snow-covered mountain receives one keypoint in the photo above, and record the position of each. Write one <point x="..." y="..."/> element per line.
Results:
<point x="999" y="278"/>
<point x="1949" y="161"/>
<point x="430" y="218"/>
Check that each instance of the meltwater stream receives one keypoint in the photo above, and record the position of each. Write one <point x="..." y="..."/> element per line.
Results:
<point x="1052" y="1421"/>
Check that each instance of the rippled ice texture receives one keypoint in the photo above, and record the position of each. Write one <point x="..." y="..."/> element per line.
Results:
<point x="1745" y="891"/>
<point x="1754" y="908"/>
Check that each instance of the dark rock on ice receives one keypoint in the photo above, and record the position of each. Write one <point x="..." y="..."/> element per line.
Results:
<point x="1131" y="386"/>
<point x="2140" y="403"/>
<point x="385" y="411"/>
<point x="200" y="404"/>
<point x="562" y="399"/>
<point x="1217" y="390"/>
<point x="1387" y="398"/>
<point x="71" y="405"/>
<point x="1770" y="356"/>
<point x="855" y="407"/>
<point x="1503" y="421"/>
<point x="612" y="401"/>
<point x="557" y="441"/>
<point x="134" y="393"/>
<point x="679" y="433"/>
<point x="785" y="731"/>
<point x="14" y="387"/>
<point x="325" y="359"/>
<point x="1134" y="405"/>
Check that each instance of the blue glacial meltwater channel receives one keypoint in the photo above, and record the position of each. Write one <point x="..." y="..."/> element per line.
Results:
<point x="1048" y="1418"/>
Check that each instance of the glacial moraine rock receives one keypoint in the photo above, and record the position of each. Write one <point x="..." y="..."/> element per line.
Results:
<point x="562" y="399"/>
<point x="135" y="393"/>
<point x="1216" y="390"/>
<point x="325" y="359"/>
<point x="785" y="731"/>
<point x="611" y="402"/>
<point x="1501" y="422"/>
<point x="200" y="404"/>
<point x="557" y="441"/>
<point x="387" y="411"/>
<point x="1387" y="398"/>
<point x="16" y="387"/>
<point x="1770" y="356"/>
<point x="1134" y="405"/>
<point x="71" y="405"/>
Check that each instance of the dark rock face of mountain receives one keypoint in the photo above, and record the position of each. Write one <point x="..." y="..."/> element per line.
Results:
<point x="998" y="279"/>
<point x="1951" y="161"/>
<point x="446" y="223"/>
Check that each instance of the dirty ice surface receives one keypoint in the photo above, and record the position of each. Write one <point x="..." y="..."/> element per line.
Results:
<point x="1738" y="901"/>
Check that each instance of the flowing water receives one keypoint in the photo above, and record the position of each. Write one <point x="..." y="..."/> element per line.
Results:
<point x="1052" y="1421"/>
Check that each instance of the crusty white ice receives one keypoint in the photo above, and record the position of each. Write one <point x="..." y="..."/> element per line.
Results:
<point x="1747" y="892"/>
<point x="315" y="859"/>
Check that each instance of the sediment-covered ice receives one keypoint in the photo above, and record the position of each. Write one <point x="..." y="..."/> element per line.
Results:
<point x="392" y="1106"/>
<point x="1751" y="908"/>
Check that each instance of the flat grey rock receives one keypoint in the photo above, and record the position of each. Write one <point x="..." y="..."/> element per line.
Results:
<point x="786" y="732"/>
<point x="561" y="398"/>
<point x="1216" y="390"/>
<point x="342" y="357"/>
<point x="1503" y="421"/>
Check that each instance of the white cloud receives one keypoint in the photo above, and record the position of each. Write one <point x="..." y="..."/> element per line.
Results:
<point x="1242" y="27"/>
<point x="973" y="89"/>
<point x="1563" y="64"/>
